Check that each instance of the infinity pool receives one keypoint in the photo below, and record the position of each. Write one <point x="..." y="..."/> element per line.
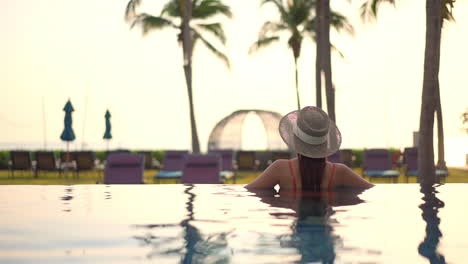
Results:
<point x="228" y="224"/>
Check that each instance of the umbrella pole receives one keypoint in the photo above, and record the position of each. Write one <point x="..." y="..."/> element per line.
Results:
<point x="67" y="160"/>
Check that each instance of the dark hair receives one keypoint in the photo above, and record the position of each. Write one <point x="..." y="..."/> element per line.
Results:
<point x="312" y="171"/>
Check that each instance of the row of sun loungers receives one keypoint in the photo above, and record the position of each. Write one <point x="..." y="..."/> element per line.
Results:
<point x="214" y="167"/>
<point x="46" y="161"/>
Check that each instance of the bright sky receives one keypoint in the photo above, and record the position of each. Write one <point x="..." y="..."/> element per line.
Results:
<point x="53" y="50"/>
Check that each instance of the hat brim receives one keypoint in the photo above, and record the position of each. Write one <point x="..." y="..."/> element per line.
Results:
<point x="330" y="146"/>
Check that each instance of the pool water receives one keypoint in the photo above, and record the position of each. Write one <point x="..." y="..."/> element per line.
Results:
<point x="401" y="223"/>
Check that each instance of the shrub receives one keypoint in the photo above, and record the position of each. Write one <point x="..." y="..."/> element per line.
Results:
<point x="4" y="159"/>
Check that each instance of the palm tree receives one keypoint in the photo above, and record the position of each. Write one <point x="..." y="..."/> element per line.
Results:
<point x="436" y="12"/>
<point x="177" y="15"/>
<point x="297" y="19"/>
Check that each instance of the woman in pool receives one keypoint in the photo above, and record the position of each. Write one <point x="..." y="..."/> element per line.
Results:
<point x="313" y="136"/>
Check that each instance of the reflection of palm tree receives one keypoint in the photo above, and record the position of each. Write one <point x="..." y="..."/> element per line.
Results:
<point x="196" y="247"/>
<point x="430" y="208"/>
<point x="296" y="19"/>
<point x="177" y="10"/>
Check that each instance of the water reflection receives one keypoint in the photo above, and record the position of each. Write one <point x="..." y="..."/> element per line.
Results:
<point x="67" y="197"/>
<point x="107" y="193"/>
<point x="430" y="208"/>
<point x="197" y="248"/>
<point x="312" y="232"/>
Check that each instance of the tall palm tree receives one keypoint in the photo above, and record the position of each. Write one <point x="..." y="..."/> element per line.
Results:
<point x="177" y="14"/>
<point x="296" y="18"/>
<point x="436" y="12"/>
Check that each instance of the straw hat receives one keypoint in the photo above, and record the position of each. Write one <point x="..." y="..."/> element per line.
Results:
<point x="310" y="132"/>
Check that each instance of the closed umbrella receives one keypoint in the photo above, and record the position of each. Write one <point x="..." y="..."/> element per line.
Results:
<point x="68" y="134"/>
<point x="107" y="134"/>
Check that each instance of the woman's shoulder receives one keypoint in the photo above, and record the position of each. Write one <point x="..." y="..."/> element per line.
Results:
<point x="280" y="164"/>
<point x="345" y="176"/>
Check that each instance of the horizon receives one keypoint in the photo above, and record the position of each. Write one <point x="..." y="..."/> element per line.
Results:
<point x="86" y="52"/>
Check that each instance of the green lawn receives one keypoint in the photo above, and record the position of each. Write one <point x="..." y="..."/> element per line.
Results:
<point x="243" y="177"/>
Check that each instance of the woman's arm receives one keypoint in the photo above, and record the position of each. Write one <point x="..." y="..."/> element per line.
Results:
<point x="269" y="177"/>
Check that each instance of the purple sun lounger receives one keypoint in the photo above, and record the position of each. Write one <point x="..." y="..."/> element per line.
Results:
<point x="172" y="165"/>
<point x="410" y="159"/>
<point x="335" y="157"/>
<point x="202" y="169"/>
<point x="378" y="163"/>
<point x="124" y="168"/>
<point x="227" y="158"/>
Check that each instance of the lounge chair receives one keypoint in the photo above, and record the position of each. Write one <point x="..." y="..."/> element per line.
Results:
<point x="45" y="161"/>
<point x="335" y="157"/>
<point x="227" y="157"/>
<point x="275" y="155"/>
<point x="246" y="160"/>
<point x="410" y="161"/>
<point x="67" y="161"/>
<point x="347" y="157"/>
<point x="85" y="161"/>
<point x="173" y="164"/>
<point x="202" y="169"/>
<point x="262" y="160"/>
<point x="67" y="156"/>
<point x="344" y="156"/>
<point x="124" y="168"/>
<point x="20" y="161"/>
<point x="378" y="163"/>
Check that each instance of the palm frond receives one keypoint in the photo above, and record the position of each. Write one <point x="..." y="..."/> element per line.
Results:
<point x="209" y="8"/>
<point x="171" y="9"/>
<point x="299" y="11"/>
<point x="370" y="9"/>
<point x="447" y="7"/>
<point x="263" y="42"/>
<point x="216" y="29"/>
<point x="279" y="5"/>
<point x="149" y="23"/>
<point x="334" y="48"/>
<point x="337" y="21"/>
<point x="271" y="27"/>
<point x="130" y="10"/>
<point x="212" y="48"/>
<point x="340" y="22"/>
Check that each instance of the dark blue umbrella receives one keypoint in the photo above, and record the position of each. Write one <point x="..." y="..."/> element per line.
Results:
<point x="68" y="134"/>
<point x="107" y="134"/>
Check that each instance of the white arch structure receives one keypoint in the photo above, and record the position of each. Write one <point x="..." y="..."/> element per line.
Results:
<point x="227" y="134"/>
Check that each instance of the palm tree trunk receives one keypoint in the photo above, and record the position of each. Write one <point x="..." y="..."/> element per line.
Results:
<point x="440" y="124"/>
<point x="318" y="59"/>
<point x="297" y="84"/>
<point x="440" y="134"/>
<point x="326" y="59"/>
<point x="428" y="103"/>
<point x="187" y="44"/>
